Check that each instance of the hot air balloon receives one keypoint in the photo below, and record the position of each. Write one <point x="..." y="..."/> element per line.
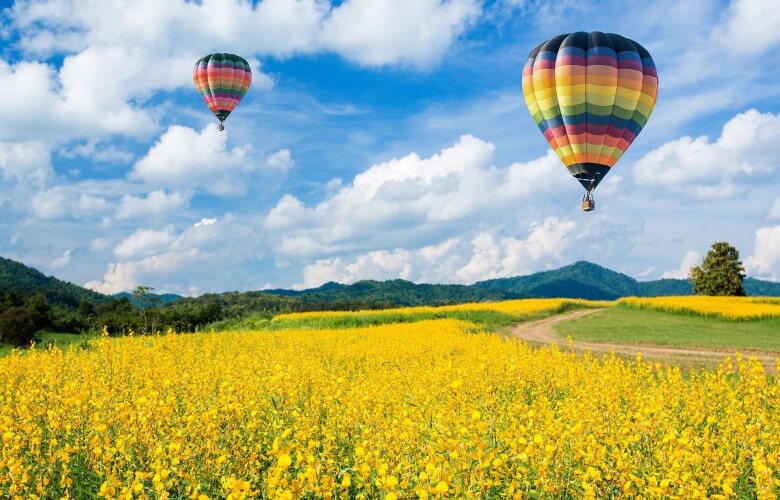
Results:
<point x="222" y="80"/>
<point x="590" y="94"/>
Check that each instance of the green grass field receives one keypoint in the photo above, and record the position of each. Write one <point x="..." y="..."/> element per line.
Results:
<point x="44" y="339"/>
<point x="641" y="326"/>
<point x="487" y="320"/>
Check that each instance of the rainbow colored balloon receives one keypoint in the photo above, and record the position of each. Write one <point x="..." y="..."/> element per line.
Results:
<point x="590" y="94"/>
<point x="222" y="80"/>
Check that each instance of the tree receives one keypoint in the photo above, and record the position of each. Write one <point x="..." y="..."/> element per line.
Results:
<point x="17" y="326"/>
<point x="721" y="272"/>
<point x="40" y="311"/>
<point x="146" y="301"/>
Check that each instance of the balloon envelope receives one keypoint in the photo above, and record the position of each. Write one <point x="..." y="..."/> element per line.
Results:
<point x="590" y="94"/>
<point x="222" y="80"/>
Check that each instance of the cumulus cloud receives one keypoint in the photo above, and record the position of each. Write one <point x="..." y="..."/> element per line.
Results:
<point x="774" y="210"/>
<point x="412" y="197"/>
<point x="371" y="32"/>
<point x="690" y="260"/>
<point x="25" y="162"/>
<point x="125" y="276"/>
<point x="143" y="242"/>
<point x="61" y="261"/>
<point x="749" y="27"/>
<point x="97" y="151"/>
<point x="281" y="160"/>
<point x="492" y="253"/>
<point x="205" y="222"/>
<point x="742" y="156"/>
<point x="64" y="201"/>
<point x="765" y="261"/>
<point x="110" y="69"/>
<point x="150" y="254"/>
<point x="59" y="105"/>
<point x="155" y="203"/>
<point x="186" y="158"/>
<point x="510" y="256"/>
<point x="411" y="32"/>
<point x="430" y="263"/>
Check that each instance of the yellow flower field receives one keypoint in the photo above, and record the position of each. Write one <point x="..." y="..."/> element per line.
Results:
<point x="519" y="308"/>
<point x="725" y="307"/>
<point x="414" y="410"/>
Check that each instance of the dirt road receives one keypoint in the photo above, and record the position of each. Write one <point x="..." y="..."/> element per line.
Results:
<point x="542" y="332"/>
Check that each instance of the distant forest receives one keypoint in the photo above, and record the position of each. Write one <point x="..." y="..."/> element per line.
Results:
<point x="31" y="302"/>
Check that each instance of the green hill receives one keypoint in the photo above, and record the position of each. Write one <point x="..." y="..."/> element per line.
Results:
<point x="16" y="277"/>
<point x="586" y="280"/>
<point x="396" y="293"/>
<point x="579" y="280"/>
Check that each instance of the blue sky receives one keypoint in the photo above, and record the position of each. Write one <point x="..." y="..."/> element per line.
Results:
<point x="380" y="139"/>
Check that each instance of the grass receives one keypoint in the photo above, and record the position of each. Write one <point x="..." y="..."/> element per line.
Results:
<point x="643" y="326"/>
<point x="485" y="320"/>
<point x="44" y="339"/>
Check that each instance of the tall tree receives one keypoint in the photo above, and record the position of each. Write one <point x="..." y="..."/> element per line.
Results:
<point x="721" y="272"/>
<point x="146" y="305"/>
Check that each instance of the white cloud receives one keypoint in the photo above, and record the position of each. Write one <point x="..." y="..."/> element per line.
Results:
<point x="143" y="242"/>
<point x="147" y="255"/>
<point x="371" y="32"/>
<point x="61" y="261"/>
<point x="110" y="69"/>
<point x="749" y="27"/>
<point x="155" y="203"/>
<point x="765" y="261"/>
<point x="431" y="263"/>
<point x="97" y="152"/>
<point x="409" y="32"/>
<point x="25" y="162"/>
<point x="492" y="258"/>
<point x="49" y="204"/>
<point x="492" y="253"/>
<point x="281" y="160"/>
<point x="65" y="201"/>
<point x="395" y="202"/>
<point x="125" y="276"/>
<point x="69" y="104"/>
<point x="185" y="158"/>
<point x="742" y="155"/>
<point x="205" y="222"/>
<point x="99" y="244"/>
<point x="690" y="260"/>
<point x="774" y="210"/>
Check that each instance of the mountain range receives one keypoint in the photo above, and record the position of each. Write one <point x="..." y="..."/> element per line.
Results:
<point x="579" y="280"/>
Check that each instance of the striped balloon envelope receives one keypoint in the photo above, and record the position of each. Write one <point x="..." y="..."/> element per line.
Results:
<point x="590" y="94"/>
<point x="222" y="80"/>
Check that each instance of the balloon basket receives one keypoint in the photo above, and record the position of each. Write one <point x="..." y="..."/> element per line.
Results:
<point x="588" y="203"/>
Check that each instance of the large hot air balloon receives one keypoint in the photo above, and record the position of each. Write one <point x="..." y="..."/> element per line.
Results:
<point x="222" y="80"/>
<point x="590" y="94"/>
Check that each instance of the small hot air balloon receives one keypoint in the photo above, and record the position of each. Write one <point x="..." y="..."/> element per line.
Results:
<point x="590" y="94"/>
<point x="222" y="80"/>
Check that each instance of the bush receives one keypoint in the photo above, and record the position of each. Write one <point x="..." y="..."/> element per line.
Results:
<point x="17" y="326"/>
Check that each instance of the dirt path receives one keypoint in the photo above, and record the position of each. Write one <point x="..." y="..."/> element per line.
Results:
<point x="542" y="332"/>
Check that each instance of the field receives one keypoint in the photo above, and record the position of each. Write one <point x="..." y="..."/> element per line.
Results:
<point x="647" y="326"/>
<point x="489" y="316"/>
<point x="63" y="340"/>
<point x="733" y="308"/>
<point x="423" y="408"/>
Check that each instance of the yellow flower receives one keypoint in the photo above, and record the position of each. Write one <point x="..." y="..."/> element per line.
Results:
<point x="284" y="460"/>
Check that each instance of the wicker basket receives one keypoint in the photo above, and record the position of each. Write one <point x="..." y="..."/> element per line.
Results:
<point x="588" y="205"/>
